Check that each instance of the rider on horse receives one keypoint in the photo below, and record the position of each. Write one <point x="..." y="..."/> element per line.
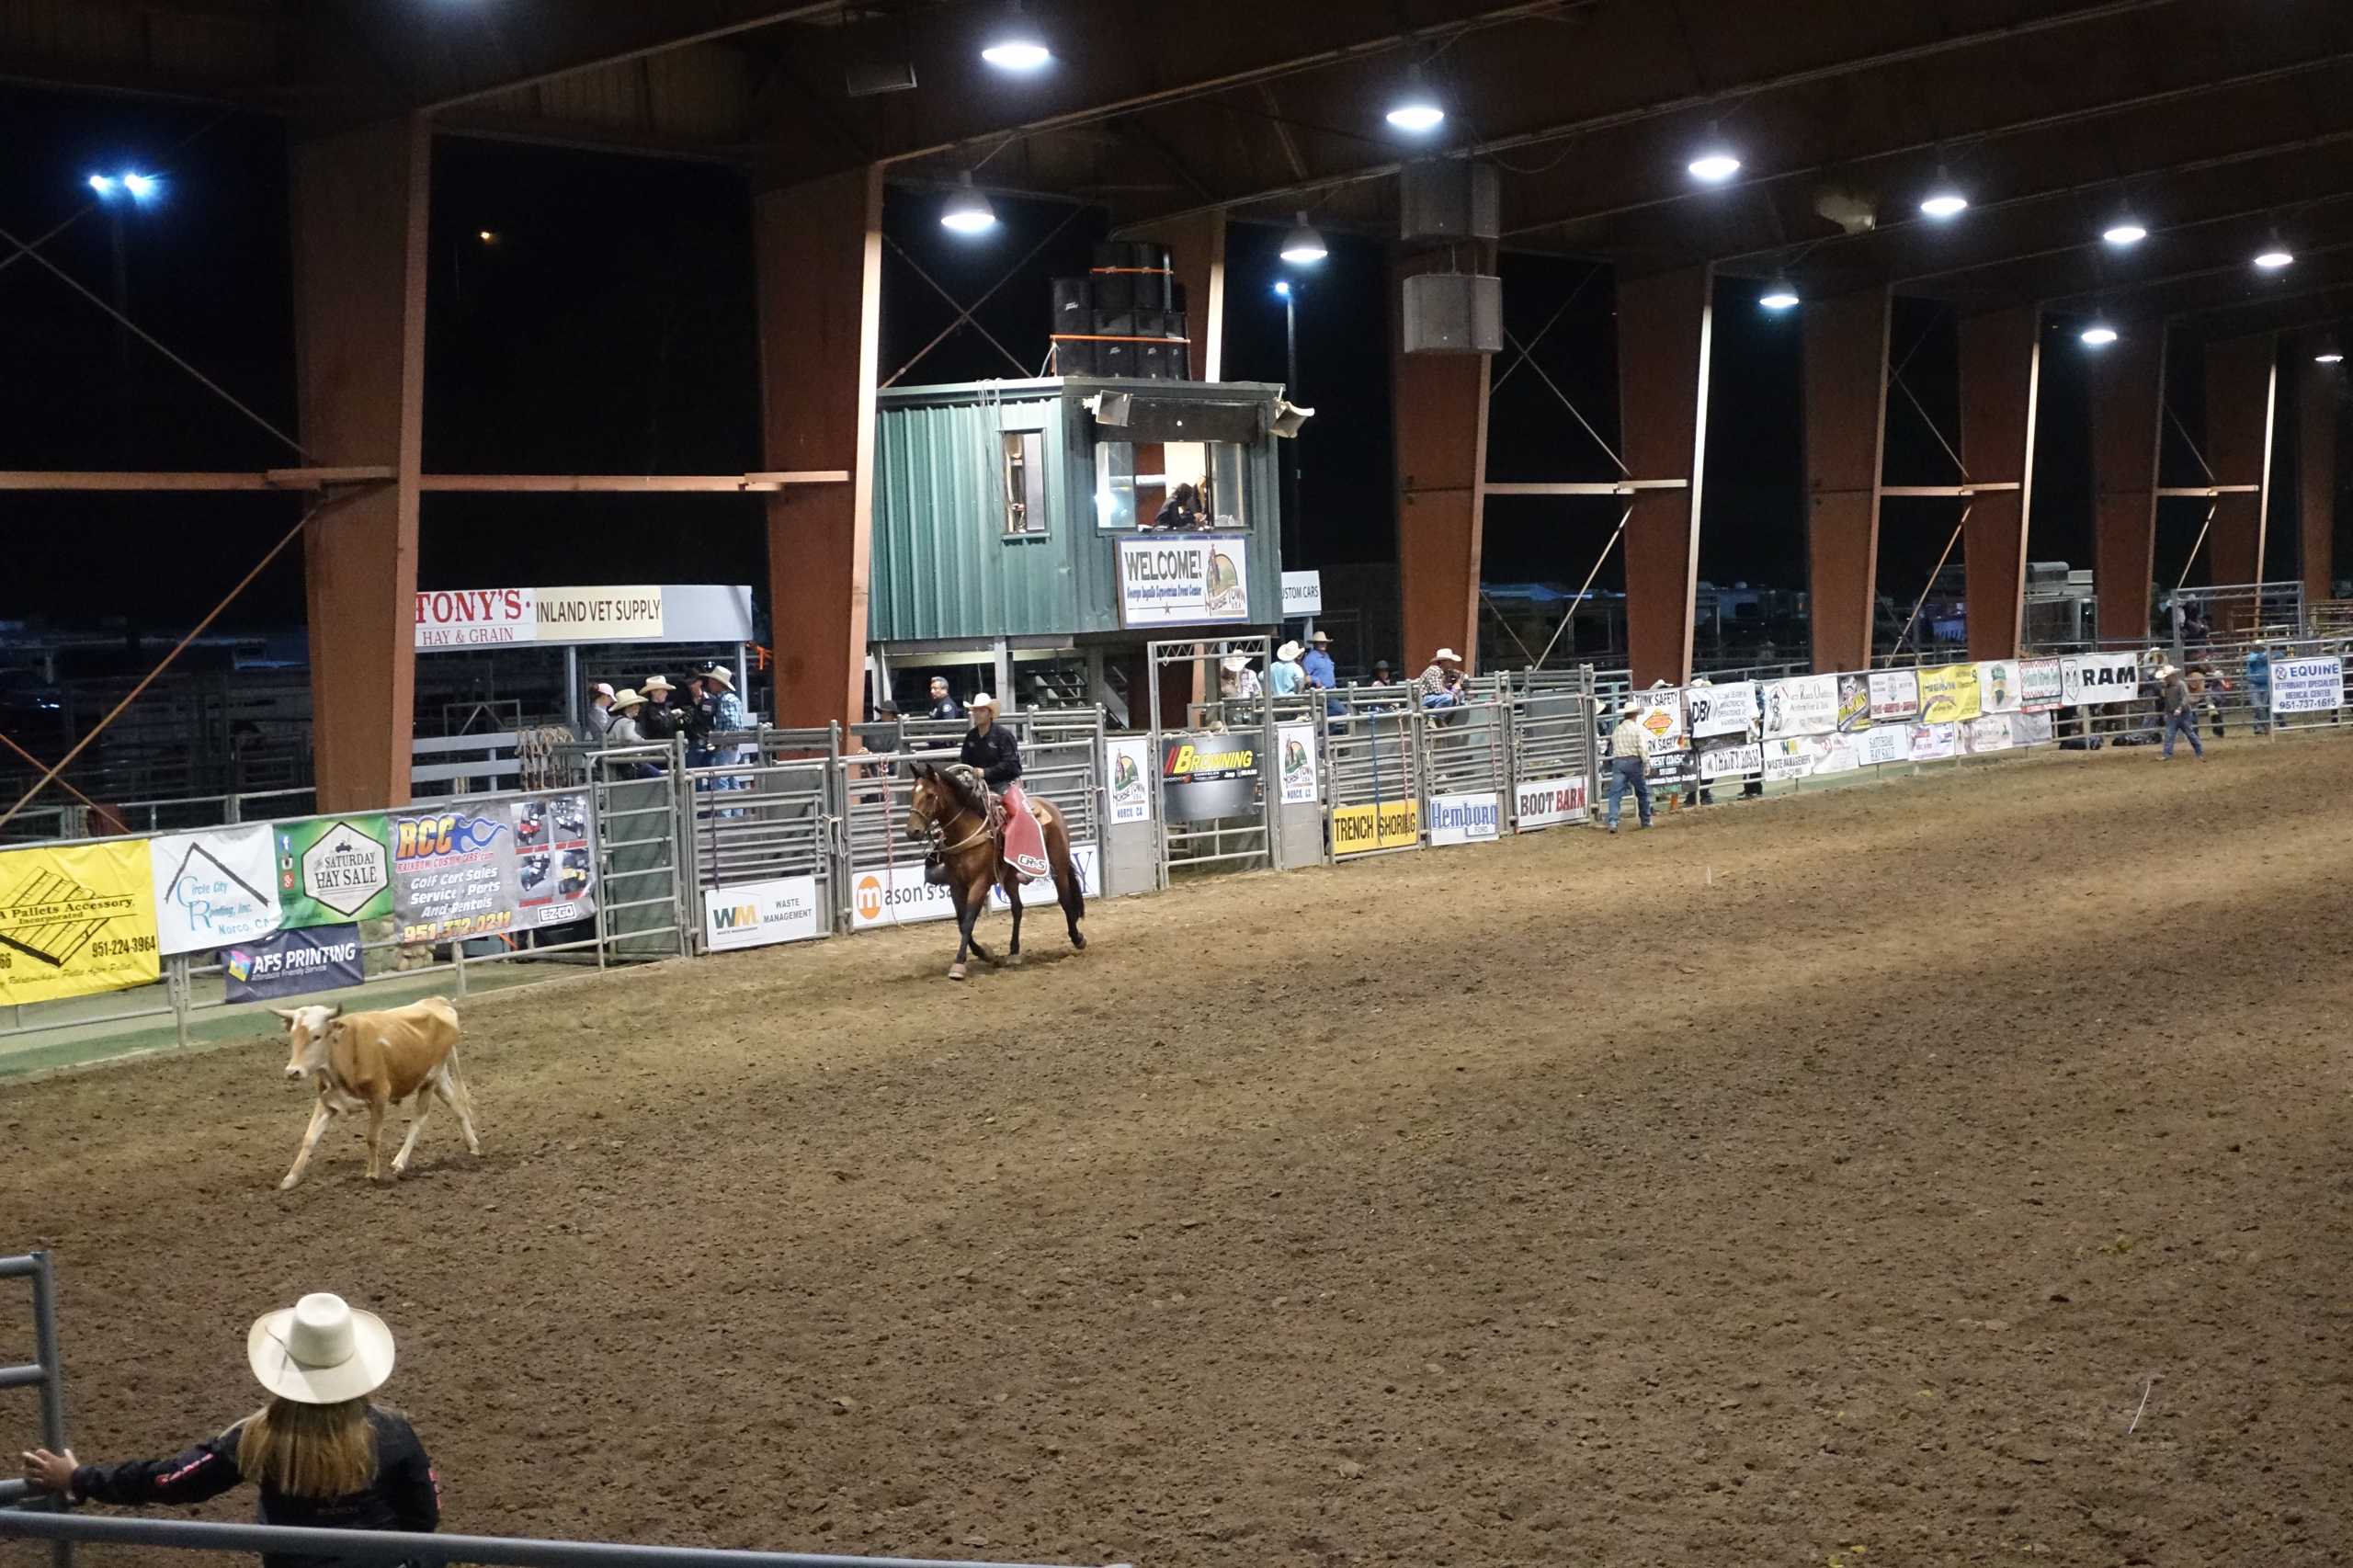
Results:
<point x="991" y="751"/>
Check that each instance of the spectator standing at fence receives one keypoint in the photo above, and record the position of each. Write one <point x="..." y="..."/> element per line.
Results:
<point x="943" y="703"/>
<point x="2181" y="719"/>
<point x="623" y="731"/>
<point x="1442" y="681"/>
<point x="323" y="1454"/>
<point x="1629" y="760"/>
<point x="659" y="719"/>
<point x="1236" y="680"/>
<point x="600" y="718"/>
<point x="1320" y="674"/>
<point x="1383" y="673"/>
<point x="1285" y="677"/>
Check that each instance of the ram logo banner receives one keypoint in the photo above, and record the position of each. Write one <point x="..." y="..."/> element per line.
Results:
<point x="75" y="921"/>
<point x="1949" y="694"/>
<point x="2095" y="679"/>
<point x="1389" y="825"/>
<point x="213" y="888"/>
<point x="1466" y="819"/>
<point x="755" y="914"/>
<point x="332" y="870"/>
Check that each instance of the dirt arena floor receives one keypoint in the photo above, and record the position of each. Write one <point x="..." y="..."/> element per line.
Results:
<point x="1825" y="1181"/>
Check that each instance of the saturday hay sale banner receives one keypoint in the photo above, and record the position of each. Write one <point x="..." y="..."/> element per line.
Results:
<point x="213" y="888"/>
<point x="75" y="920"/>
<point x="333" y="869"/>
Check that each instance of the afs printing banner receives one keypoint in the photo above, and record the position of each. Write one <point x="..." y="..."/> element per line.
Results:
<point x="213" y="889"/>
<point x="288" y="963"/>
<point x="75" y="921"/>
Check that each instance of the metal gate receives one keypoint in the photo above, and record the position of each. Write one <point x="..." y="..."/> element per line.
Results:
<point x="1466" y="768"/>
<point x="641" y="906"/>
<point x="768" y="814"/>
<point x="45" y="1374"/>
<point x="1212" y="786"/>
<point x="1554" y="755"/>
<point x="1372" y="771"/>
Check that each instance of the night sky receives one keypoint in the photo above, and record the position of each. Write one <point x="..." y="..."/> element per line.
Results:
<point x="609" y="327"/>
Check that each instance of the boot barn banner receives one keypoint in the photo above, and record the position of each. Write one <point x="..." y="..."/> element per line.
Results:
<point x="75" y="921"/>
<point x="1547" y="802"/>
<point x="489" y="618"/>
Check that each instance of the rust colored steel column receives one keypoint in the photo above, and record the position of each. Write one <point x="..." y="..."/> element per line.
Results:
<point x="1441" y="409"/>
<point x="819" y="251"/>
<point x="2242" y="399"/>
<point x="1664" y="324"/>
<point x="2001" y="373"/>
<point x="1198" y="246"/>
<point x="360" y="203"/>
<point x="2317" y="391"/>
<point x="2128" y="414"/>
<point x="1845" y="438"/>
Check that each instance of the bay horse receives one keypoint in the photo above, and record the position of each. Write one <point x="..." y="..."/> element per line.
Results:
<point x="950" y="808"/>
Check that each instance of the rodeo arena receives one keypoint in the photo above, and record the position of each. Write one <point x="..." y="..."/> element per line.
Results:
<point x="1086" y="1014"/>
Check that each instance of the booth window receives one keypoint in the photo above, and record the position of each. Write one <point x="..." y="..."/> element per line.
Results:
<point x="1025" y="489"/>
<point x="1136" y="481"/>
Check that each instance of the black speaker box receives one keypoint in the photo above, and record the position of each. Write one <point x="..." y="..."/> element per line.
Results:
<point x="1115" y="324"/>
<point x="1073" y="301"/>
<point x="1075" y="358"/>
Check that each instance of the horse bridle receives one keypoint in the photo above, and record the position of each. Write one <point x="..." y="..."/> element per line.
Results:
<point x="937" y="834"/>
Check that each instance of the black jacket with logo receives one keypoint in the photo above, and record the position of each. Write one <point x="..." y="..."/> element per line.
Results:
<point x="405" y="1495"/>
<point x="995" y="753"/>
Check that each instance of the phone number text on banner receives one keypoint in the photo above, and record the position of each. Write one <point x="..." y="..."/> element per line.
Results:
<point x="76" y="921"/>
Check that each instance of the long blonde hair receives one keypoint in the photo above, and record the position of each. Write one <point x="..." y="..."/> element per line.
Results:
<point x="309" y="1450"/>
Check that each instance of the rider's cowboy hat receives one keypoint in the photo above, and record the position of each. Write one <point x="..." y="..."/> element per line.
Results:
<point x="982" y="700"/>
<point x="320" y="1351"/>
<point x="1287" y="652"/>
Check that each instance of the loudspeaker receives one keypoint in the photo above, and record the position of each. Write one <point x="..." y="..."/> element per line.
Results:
<point x="1155" y="291"/>
<point x="1115" y="290"/>
<point x="1115" y="359"/>
<point x="1073" y="301"/>
<point x="1151" y="361"/>
<point x="1454" y="312"/>
<point x="1114" y="324"/>
<point x="1075" y="358"/>
<point x="1152" y="323"/>
<point x="1447" y="198"/>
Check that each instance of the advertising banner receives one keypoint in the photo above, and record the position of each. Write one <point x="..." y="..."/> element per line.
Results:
<point x="288" y="963"/>
<point x="897" y="895"/>
<point x="2040" y="685"/>
<point x="1727" y="710"/>
<point x="1547" y="802"/>
<point x="1729" y="758"/>
<point x="757" y="915"/>
<point x="1124" y="761"/>
<point x="1884" y="743"/>
<point x="1854" y="704"/>
<point x="555" y="863"/>
<point x="1661" y="717"/>
<point x="2094" y="679"/>
<point x="1988" y="732"/>
<point x="1184" y="579"/>
<point x="2000" y="685"/>
<point x="453" y="876"/>
<point x="1804" y="705"/>
<point x="1392" y="824"/>
<point x="1932" y="743"/>
<point x="1295" y="743"/>
<point x="1302" y="595"/>
<point x="212" y="887"/>
<point x="2030" y="729"/>
<point x="2308" y="686"/>
<point x="1896" y="697"/>
<point x="1466" y="819"/>
<point x="678" y="612"/>
<point x="75" y="921"/>
<point x="332" y="870"/>
<point x="1792" y="756"/>
<point x="1838" y="754"/>
<point x="1207" y="776"/>
<point x="1949" y="694"/>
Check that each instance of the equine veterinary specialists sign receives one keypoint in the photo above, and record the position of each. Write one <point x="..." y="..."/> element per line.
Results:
<point x="489" y="618"/>
<point x="1184" y="579"/>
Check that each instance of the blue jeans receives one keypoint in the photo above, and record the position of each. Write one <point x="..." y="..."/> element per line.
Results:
<point x="1626" y="772"/>
<point x="2183" y="723"/>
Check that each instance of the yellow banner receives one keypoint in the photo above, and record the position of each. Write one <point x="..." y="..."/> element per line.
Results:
<point x="1393" y="825"/>
<point x="73" y="921"/>
<point x="1951" y="694"/>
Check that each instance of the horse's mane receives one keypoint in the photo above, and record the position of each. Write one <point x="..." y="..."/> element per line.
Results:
<point x="964" y="782"/>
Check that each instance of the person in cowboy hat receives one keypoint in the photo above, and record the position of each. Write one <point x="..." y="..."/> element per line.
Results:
<point x="727" y="713"/>
<point x="1441" y="683"/>
<point x="1629" y="749"/>
<point x="2181" y="714"/>
<point x="599" y="716"/>
<point x="1236" y="678"/>
<point x="991" y="751"/>
<point x="623" y="730"/>
<point x="658" y="720"/>
<point x="1285" y="679"/>
<point x="323" y="1455"/>
<point x="1318" y="663"/>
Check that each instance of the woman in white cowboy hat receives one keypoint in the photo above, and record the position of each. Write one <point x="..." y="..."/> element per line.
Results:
<point x="623" y="730"/>
<point x="323" y="1454"/>
<point x="1285" y="676"/>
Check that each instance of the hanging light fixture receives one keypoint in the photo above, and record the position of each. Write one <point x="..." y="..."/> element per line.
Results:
<point x="2274" y="256"/>
<point x="1303" y="244"/>
<point x="2099" y="334"/>
<point x="968" y="210"/>
<point x="1715" y="163"/>
<point x="2328" y="353"/>
<point x="1417" y="108"/>
<point x="1014" y="44"/>
<point x="1944" y="198"/>
<point x="1779" y="295"/>
<point x="2124" y="231"/>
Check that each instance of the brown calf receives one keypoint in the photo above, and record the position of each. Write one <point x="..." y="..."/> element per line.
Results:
<point x="371" y="1061"/>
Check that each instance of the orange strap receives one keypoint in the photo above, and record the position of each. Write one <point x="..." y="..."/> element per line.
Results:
<point x="1085" y="337"/>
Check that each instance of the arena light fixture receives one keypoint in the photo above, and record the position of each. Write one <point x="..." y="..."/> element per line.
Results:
<point x="2123" y="232"/>
<point x="1416" y="109"/>
<point x="1015" y="45"/>
<point x="1944" y="199"/>
<point x="1779" y="295"/>
<point x="968" y="210"/>
<point x="104" y="185"/>
<point x="140" y="187"/>
<point x="2099" y="334"/>
<point x="2328" y="353"/>
<point x="1303" y="244"/>
<point x="2274" y="257"/>
<point x="1716" y="162"/>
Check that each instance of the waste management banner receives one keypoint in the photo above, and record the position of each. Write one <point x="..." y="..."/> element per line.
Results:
<point x="75" y="920"/>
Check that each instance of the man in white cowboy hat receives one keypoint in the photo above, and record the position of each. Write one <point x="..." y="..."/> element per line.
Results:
<point x="1237" y="679"/>
<point x="727" y="714"/>
<point x="1441" y="683"/>
<point x="658" y="720"/>
<point x="323" y="1455"/>
<point x="2181" y="714"/>
<point x="1286" y="678"/>
<point x="991" y="751"/>
<point x="1318" y="663"/>
<point x="1628" y="758"/>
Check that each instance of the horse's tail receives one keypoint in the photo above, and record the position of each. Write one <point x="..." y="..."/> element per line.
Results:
<point x="1068" y="883"/>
